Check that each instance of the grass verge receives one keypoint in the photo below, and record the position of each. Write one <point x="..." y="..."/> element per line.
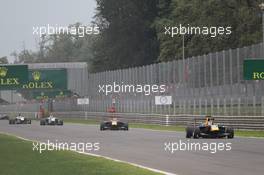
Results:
<point x="240" y="133"/>
<point x="18" y="158"/>
<point x="249" y="133"/>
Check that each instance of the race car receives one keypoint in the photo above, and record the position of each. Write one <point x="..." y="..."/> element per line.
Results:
<point x="19" y="120"/>
<point x="4" y="117"/>
<point x="114" y="124"/>
<point x="209" y="130"/>
<point x="51" y="121"/>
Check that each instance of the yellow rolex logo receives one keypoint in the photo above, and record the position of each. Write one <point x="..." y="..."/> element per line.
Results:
<point x="36" y="75"/>
<point x="3" y="71"/>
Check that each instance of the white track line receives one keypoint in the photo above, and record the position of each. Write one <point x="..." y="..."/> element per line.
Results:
<point x="97" y="155"/>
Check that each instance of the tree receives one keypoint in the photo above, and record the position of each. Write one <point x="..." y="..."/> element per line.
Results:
<point x="127" y="37"/>
<point x="3" y="60"/>
<point x="64" y="47"/>
<point x="242" y="16"/>
<point x="25" y="56"/>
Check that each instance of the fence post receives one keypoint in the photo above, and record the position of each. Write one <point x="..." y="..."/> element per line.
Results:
<point x="254" y="105"/>
<point x="262" y="104"/>
<point x="156" y="108"/>
<point x="178" y="111"/>
<point x="225" y="112"/>
<point x="205" y="104"/>
<point x="189" y="107"/>
<point x="231" y="106"/>
<point x="239" y="106"/>
<point x="169" y="106"/>
<point x="212" y="106"/>
<point x="86" y="115"/>
<point x="194" y="106"/>
<point x="200" y="106"/>
<point x="167" y="120"/>
<point x="184" y="106"/>
<point x="174" y="106"/>
<point x="218" y="106"/>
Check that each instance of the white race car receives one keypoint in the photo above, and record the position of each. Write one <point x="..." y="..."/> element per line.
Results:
<point x="19" y="120"/>
<point x="51" y="121"/>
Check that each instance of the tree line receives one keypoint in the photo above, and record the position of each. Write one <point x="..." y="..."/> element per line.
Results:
<point x="132" y="33"/>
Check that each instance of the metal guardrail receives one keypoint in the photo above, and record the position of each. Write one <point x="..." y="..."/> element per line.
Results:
<point x="237" y="122"/>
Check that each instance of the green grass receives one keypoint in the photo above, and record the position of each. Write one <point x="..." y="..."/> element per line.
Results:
<point x="18" y="158"/>
<point x="157" y="127"/>
<point x="240" y="133"/>
<point x="81" y="121"/>
<point x="249" y="133"/>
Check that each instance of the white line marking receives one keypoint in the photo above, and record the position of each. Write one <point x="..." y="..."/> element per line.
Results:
<point x="97" y="155"/>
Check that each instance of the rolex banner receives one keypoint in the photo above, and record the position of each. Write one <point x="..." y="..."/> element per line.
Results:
<point x="48" y="79"/>
<point x="39" y="95"/>
<point x="253" y="69"/>
<point x="13" y="76"/>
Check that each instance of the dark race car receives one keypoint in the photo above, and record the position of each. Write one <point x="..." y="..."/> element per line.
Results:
<point x="19" y="120"/>
<point x="4" y="117"/>
<point x="114" y="124"/>
<point x="51" y="121"/>
<point x="209" y="130"/>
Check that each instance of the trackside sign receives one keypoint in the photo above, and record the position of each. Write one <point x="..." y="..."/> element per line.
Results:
<point x="50" y="94"/>
<point x="253" y="69"/>
<point x="83" y="101"/>
<point x="163" y="100"/>
<point x="47" y="79"/>
<point x="13" y="76"/>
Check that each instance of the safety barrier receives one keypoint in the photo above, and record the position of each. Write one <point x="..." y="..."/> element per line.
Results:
<point x="237" y="122"/>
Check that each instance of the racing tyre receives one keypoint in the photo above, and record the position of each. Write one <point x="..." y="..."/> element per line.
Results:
<point x="42" y="122"/>
<point x="101" y="127"/>
<point x="230" y="132"/>
<point x="189" y="132"/>
<point x="11" y="122"/>
<point x="126" y="127"/>
<point x="196" y="133"/>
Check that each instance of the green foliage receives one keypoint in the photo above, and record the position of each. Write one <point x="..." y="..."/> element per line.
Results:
<point x="243" y="16"/>
<point x="59" y="48"/>
<point x="17" y="157"/>
<point x="3" y="60"/>
<point x="132" y="33"/>
<point x="127" y="38"/>
<point x="25" y="56"/>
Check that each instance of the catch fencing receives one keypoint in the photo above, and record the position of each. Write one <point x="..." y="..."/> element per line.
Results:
<point x="207" y="84"/>
<point x="237" y="122"/>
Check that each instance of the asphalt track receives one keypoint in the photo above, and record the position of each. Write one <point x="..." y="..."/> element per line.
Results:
<point x="146" y="147"/>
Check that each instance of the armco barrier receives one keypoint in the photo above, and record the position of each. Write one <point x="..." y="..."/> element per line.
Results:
<point x="238" y="122"/>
